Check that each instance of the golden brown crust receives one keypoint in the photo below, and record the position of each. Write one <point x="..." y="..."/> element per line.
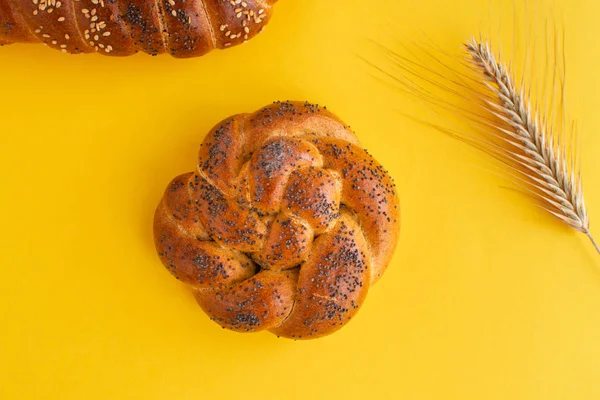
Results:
<point x="179" y="201"/>
<point x="12" y="28"/>
<point x="288" y="245"/>
<point x="201" y="264"/>
<point x="314" y="195"/>
<point x="283" y="195"/>
<point x="182" y="28"/>
<point x="233" y="225"/>
<point x="271" y="167"/>
<point x="370" y="192"/>
<point x="333" y="283"/>
<point x="293" y="119"/>
<point x="261" y="302"/>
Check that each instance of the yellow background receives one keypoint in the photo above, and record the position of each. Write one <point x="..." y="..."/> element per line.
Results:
<point x="486" y="297"/>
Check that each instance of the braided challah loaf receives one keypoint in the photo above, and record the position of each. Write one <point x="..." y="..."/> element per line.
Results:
<point x="284" y="225"/>
<point x="182" y="28"/>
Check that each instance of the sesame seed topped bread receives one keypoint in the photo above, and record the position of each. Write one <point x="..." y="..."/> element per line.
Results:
<point x="284" y="225"/>
<point x="182" y="28"/>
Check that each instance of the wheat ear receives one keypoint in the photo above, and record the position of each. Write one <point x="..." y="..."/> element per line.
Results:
<point x="546" y="164"/>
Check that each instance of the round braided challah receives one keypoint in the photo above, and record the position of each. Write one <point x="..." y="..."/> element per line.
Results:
<point x="285" y="224"/>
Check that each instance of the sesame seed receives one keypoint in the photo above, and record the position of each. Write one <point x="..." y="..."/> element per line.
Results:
<point x="61" y="19"/>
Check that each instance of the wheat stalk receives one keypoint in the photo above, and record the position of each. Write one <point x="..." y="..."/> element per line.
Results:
<point x="543" y="158"/>
<point x="501" y="121"/>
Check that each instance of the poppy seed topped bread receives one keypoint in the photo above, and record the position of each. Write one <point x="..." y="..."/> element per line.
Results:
<point x="284" y="225"/>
